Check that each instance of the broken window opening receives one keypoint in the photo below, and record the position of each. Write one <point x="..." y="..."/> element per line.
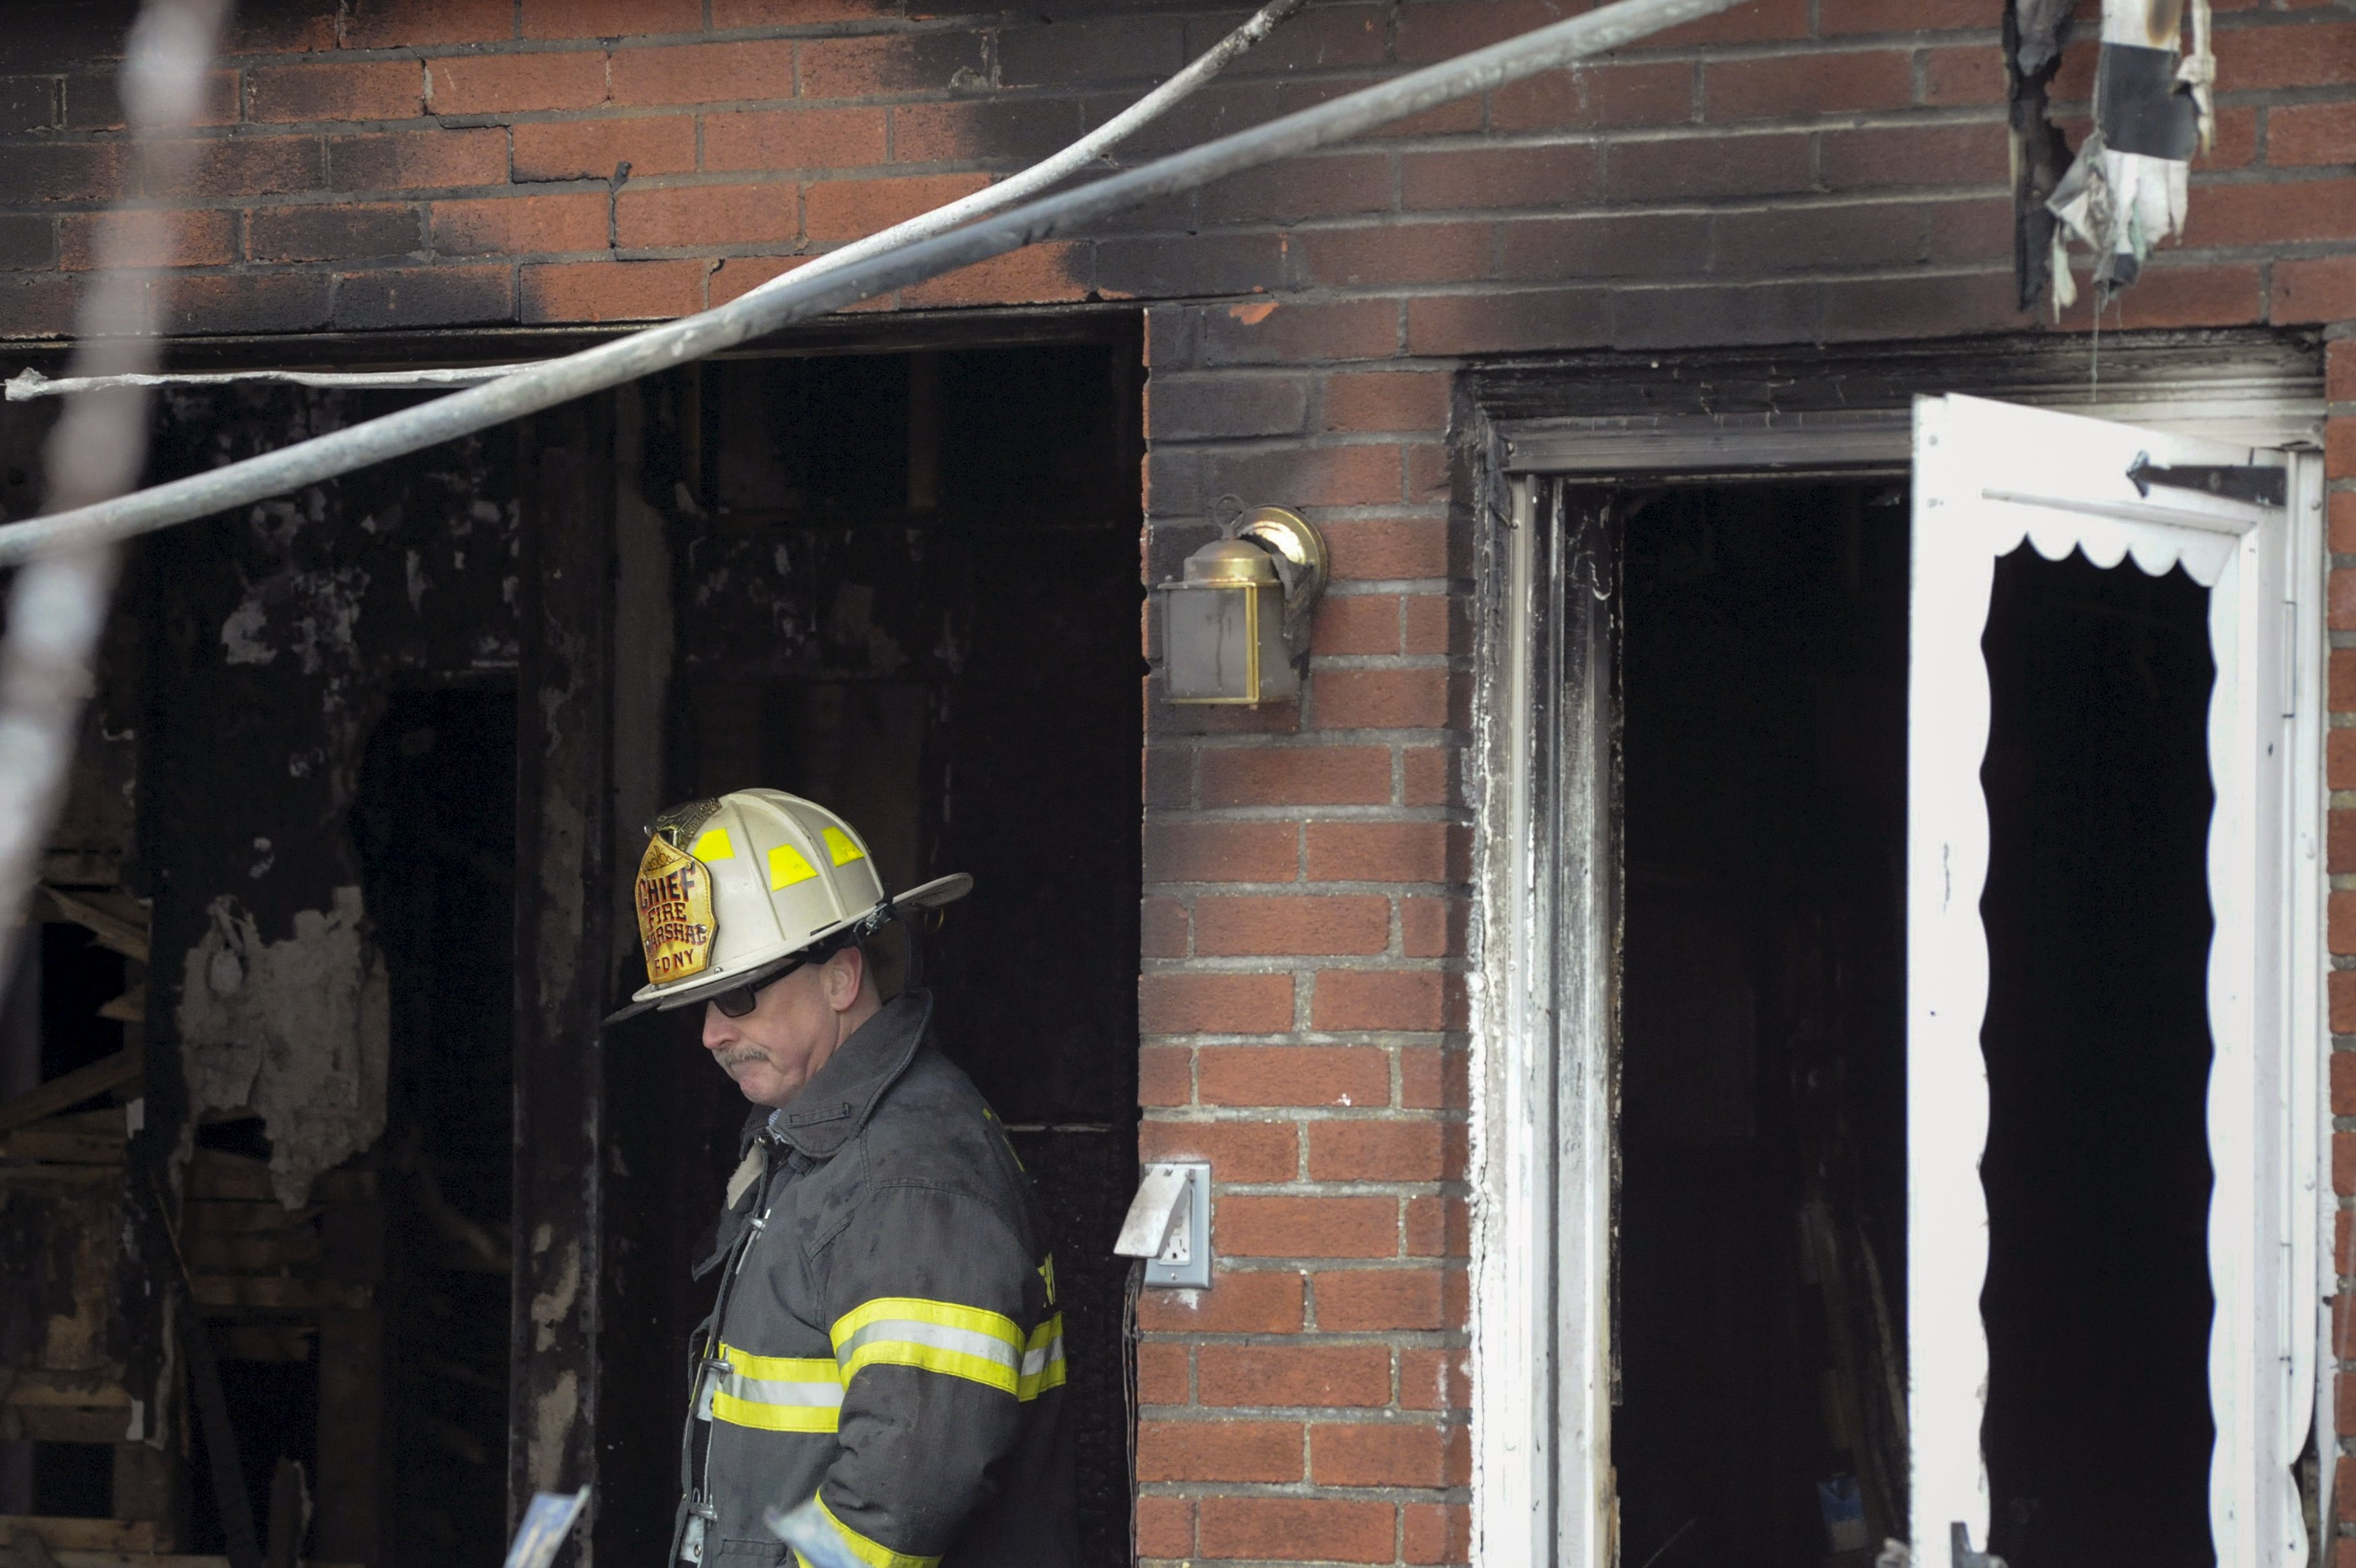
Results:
<point x="2098" y="1305"/>
<point x="1759" y="1269"/>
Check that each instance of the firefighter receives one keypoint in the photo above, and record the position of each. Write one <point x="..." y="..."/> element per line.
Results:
<point x="886" y="1334"/>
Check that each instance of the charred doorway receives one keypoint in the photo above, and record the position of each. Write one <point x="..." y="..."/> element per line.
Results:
<point x="1758" y="1277"/>
<point x="1760" y="1274"/>
<point x="906" y="585"/>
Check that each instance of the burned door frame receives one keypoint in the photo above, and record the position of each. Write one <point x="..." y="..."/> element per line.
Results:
<point x="1542" y="783"/>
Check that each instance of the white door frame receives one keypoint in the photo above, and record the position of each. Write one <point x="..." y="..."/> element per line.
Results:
<point x="1547" y="921"/>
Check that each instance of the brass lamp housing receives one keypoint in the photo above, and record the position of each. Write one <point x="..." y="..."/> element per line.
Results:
<point x="1234" y="627"/>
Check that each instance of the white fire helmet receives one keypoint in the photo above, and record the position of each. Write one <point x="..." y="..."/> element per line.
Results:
<point x="732" y="890"/>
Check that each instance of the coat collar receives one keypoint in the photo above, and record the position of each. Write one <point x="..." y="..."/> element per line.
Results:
<point x="836" y="1102"/>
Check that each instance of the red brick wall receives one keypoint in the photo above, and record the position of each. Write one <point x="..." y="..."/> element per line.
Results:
<point x="1796" y="170"/>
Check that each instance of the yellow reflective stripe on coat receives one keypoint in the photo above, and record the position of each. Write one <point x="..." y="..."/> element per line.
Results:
<point x="957" y="1341"/>
<point x="874" y="1553"/>
<point x="1042" y="1360"/>
<point x="776" y="1393"/>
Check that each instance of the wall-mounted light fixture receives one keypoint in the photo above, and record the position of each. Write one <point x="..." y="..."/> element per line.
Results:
<point x="1234" y="627"/>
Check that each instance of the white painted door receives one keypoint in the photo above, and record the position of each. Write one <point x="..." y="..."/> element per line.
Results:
<point x="1988" y="478"/>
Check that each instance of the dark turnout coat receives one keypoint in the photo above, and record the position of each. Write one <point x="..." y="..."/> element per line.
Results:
<point x="888" y="1336"/>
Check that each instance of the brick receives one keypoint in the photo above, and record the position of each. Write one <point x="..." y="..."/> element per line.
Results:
<point x="1849" y="17"/>
<point x="1541" y="177"/>
<point x="1162" y="929"/>
<point x="2341" y="683"/>
<point x="1378" y="1300"/>
<point x="2343" y="1169"/>
<point x="27" y="243"/>
<point x="1164" y="1373"/>
<point x="1250" y="1226"/>
<point x="1430" y="32"/>
<point x="505" y="84"/>
<point x="519" y="225"/>
<point x="268" y="162"/>
<point x="1387" y="401"/>
<point x="745" y="70"/>
<point x="38" y="306"/>
<point x="2340" y="383"/>
<point x="420" y="24"/>
<point x="2340" y="853"/>
<point x="1399" y="253"/>
<point x="1268" y="1075"/>
<point x="1969" y="74"/>
<point x="1435" y="1533"/>
<point x="1165" y="1075"/>
<point x="1881" y="308"/>
<point x="1969" y="230"/>
<point x="1429" y="776"/>
<point x="94" y="102"/>
<point x="668" y="216"/>
<point x="2343" y="523"/>
<point x="1608" y="245"/>
<point x="147" y="239"/>
<point x="1803" y="86"/>
<point x="783" y="139"/>
<point x="1217" y="263"/>
<point x="733" y="14"/>
<point x="1358" y="475"/>
<point x="1597" y="98"/>
<point x="1297" y="1530"/>
<point x="1268" y="332"/>
<point x="1239" y="1303"/>
<point x="1436" y="1378"/>
<point x="1297" y="775"/>
<point x="2311" y="55"/>
<point x="1717" y="313"/>
<point x="1413" y="699"/>
<point x="595" y="149"/>
<point x="449" y="158"/>
<point x="1385" y="1151"/>
<point x="610" y="18"/>
<point x="64" y="171"/>
<point x="1221" y="851"/>
<point x="1439" y="624"/>
<point x="1433" y="928"/>
<point x="1432" y="1077"/>
<point x="567" y="291"/>
<point x="919" y="62"/>
<point x="1386" y="1454"/>
<point x="1092" y="49"/>
<point x="1853" y="234"/>
<point x="2323" y="289"/>
<point x="1916" y="155"/>
<point x="967" y="131"/>
<point x="1188" y="408"/>
<point x="2343" y="1083"/>
<point x="1165" y="1527"/>
<point x="1357" y="624"/>
<point x="358" y="90"/>
<point x="1380" y="852"/>
<point x="2311" y="134"/>
<point x="1238" y="1151"/>
<point x="1437" y="1227"/>
<point x="28" y="104"/>
<point x="424" y="297"/>
<point x="1292" y="1376"/>
<point x="1314" y="923"/>
<point x="1411" y="550"/>
<point x="1218" y="1450"/>
<point x="1331" y="184"/>
<point x="1762" y="21"/>
<point x="2282" y="211"/>
<point x="1522" y="321"/>
<point x="2340" y="772"/>
<point x="851" y="209"/>
<point x="1394" y="999"/>
<point x="344" y="233"/>
<point x="192" y="304"/>
<point x="280" y="29"/>
<point x="1037" y="274"/>
<point x="1214" y="1004"/>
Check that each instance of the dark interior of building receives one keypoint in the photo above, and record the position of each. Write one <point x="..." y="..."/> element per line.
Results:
<point x="1761" y="1275"/>
<point x="1761" y="1267"/>
<point x="2098" y="1430"/>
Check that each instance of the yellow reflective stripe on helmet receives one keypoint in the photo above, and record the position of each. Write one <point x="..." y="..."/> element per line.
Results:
<point x="1042" y="1360"/>
<point x="942" y="1337"/>
<point x="788" y="867"/>
<point x="874" y="1553"/>
<point x="713" y="845"/>
<point x="777" y="1394"/>
<point x="843" y="846"/>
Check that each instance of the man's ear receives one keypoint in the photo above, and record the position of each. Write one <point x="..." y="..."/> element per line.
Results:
<point x="844" y="972"/>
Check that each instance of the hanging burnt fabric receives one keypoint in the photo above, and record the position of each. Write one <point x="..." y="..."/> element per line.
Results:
<point x="2127" y="190"/>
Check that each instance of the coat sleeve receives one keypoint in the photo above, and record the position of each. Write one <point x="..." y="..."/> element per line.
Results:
<point x="933" y="1306"/>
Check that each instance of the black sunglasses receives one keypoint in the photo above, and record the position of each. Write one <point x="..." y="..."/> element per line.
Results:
<point x="738" y="1000"/>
